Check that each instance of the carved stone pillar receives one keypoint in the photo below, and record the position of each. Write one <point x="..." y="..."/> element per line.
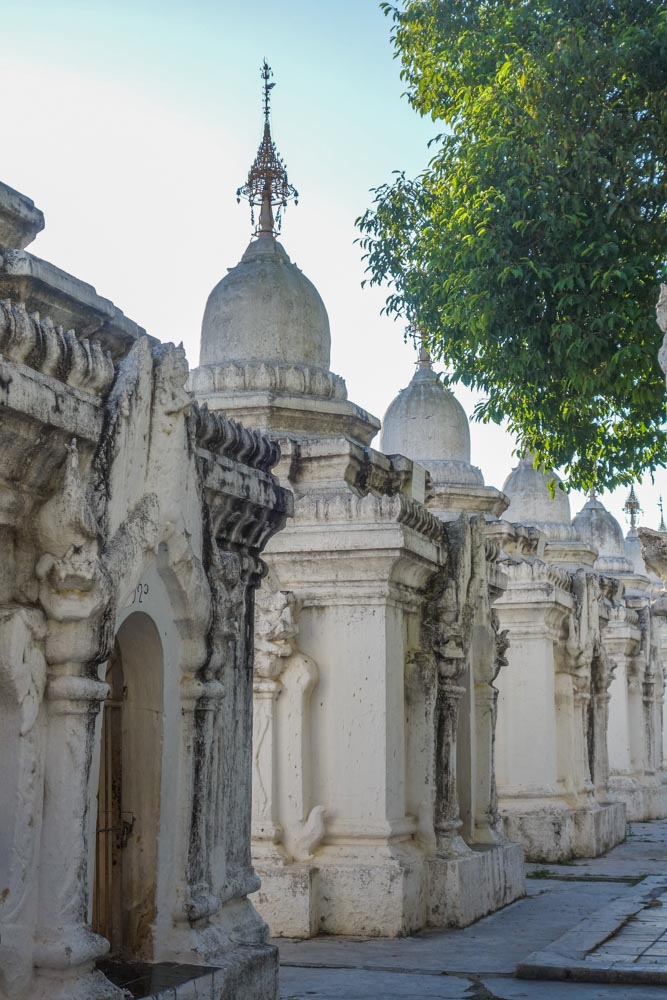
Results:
<point x="74" y="592"/>
<point x="486" y="805"/>
<point x="636" y="713"/>
<point x="301" y="820"/>
<point x="22" y="684"/>
<point x="66" y="948"/>
<point x="284" y="680"/>
<point x="447" y="819"/>
<point x="601" y="700"/>
<point x="266" y="830"/>
<point x="583" y="734"/>
<point x="487" y="819"/>
<point x="201" y="706"/>
<point x="274" y="629"/>
<point x="601" y="678"/>
<point x="648" y="695"/>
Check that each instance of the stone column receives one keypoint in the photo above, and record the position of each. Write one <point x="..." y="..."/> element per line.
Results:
<point x="22" y="738"/>
<point x="66" y="948"/>
<point x="582" y="703"/>
<point x="648" y="693"/>
<point x="601" y="678"/>
<point x="201" y="702"/>
<point x="74" y="591"/>
<point x="302" y="821"/>
<point x="274" y="629"/>
<point x="486" y="801"/>
<point x="266" y="830"/>
<point x="447" y="819"/>
<point x="635" y="702"/>
<point x="601" y="701"/>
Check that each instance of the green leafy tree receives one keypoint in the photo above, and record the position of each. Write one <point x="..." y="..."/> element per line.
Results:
<point x="530" y="250"/>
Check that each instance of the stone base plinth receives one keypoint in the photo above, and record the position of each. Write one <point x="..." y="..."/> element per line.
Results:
<point x="378" y="896"/>
<point x="554" y="832"/>
<point x="388" y="892"/>
<point x="376" y="892"/>
<point x="657" y="802"/>
<point x="288" y="899"/>
<point x="463" y="889"/>
<point x="632" y="794"/>
<point x="599" y="828"/>
<point x="642" y="802"/>
<point x="546" y="830"/>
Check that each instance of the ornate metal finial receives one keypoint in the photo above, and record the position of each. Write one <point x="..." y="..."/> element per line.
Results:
<point x="267" y="73"/>
<point x="632" y="508"/>
<point x="662" y="526"/>
<point x="267" y="186"/>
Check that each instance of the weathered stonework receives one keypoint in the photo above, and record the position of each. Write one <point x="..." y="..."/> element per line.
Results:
<point x="132" y="522"/>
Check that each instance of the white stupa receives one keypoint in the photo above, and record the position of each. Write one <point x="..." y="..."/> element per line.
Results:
<point x="427" y="423"/>
<point x="538" y="500"/>
<point x="265" y="339"/>
<point x="595" y="524"/>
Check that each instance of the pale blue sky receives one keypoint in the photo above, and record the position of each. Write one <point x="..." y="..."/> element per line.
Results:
<point x="132" y="124"/>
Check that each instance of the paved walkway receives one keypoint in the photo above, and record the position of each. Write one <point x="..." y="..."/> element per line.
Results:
<point x="479" y="963"/>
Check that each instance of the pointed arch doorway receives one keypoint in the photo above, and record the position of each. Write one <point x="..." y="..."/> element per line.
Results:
<point x="128" y="804"/>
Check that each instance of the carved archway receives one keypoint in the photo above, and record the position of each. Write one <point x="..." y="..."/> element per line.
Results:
<point x="124" y="902"/>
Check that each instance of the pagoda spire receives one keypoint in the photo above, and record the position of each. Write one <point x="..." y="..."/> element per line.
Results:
<point x="662" y="526"/>
<point x="267" y="186"/>
<point x="632" y="508"/>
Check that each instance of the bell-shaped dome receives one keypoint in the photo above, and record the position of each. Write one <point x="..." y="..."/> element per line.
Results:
<point x="531" y="501"/>
<point x="427" y="423"/>
<point x="265" y="309"/>
<point x="595" y="525"/>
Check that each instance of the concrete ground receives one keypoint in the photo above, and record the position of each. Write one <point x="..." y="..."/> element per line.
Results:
<point x="478" y="963"/>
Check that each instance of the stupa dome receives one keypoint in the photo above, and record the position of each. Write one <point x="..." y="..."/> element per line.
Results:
<point x="427" y="423"/>
<point x="266" y="309"/>
<point x="531" y="501"/>
<point x="595" y="523"/>
<point x="597" y="526"/>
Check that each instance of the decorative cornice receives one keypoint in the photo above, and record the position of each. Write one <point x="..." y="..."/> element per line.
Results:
<point x="227" y="438"/>
<point x="517" y="539"/>
<point x="622" y="614"/>
<point x="337" y="507"/>
<point x="535" y="571"/>
<point x="50" y="350"/>
<point x="267" y="376"/>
